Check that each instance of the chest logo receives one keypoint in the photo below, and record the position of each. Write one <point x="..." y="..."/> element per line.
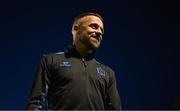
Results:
<point x="100" y="71"/>
<point x="65" y="64"/>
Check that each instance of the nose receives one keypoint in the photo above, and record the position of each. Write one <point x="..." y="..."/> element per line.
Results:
<point x="99" y="32"/>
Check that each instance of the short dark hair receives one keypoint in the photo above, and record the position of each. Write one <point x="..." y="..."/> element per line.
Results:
<point x="87" y="14"/>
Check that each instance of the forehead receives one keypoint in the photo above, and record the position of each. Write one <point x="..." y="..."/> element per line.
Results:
<point x="91" y="19"/>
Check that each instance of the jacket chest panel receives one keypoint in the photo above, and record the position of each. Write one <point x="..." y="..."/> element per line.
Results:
<point x="73" y="71"/>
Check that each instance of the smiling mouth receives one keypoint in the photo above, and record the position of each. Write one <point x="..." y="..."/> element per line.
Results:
<point x="97" y="38"/>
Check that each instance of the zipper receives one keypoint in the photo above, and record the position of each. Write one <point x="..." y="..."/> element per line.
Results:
<point x="84" y="62"/>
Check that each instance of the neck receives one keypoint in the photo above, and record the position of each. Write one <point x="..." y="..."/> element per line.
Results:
<point x="83" y="50"/>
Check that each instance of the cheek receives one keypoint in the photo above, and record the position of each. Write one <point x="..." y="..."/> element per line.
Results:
<point x="89" y="31"/>
<point x="84" y="35"/>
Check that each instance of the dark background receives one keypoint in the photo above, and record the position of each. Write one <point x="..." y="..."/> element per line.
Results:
<point x="140" y="43"/>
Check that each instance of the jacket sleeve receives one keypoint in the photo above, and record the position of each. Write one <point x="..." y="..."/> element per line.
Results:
<point x="39" y="89"/>
<point x="113" y="98"/>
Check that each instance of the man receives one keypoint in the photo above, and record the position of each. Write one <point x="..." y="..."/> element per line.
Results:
<point x="74" y="80"/>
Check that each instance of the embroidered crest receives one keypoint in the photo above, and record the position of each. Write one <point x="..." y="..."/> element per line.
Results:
<point x="101" y="71"/>
<point x="65" y="64"/>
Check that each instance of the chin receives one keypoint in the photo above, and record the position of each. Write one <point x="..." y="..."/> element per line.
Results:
<point x="95" y="46"/>
<point x="92" y="45"/>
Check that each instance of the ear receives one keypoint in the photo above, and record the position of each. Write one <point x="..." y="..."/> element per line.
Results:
<point x="74" y="30"/>
<point x="75" y="27"/>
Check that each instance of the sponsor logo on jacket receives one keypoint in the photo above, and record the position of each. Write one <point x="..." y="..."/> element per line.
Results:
<point x="65" y="64"/>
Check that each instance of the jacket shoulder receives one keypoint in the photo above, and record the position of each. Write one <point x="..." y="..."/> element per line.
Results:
<point x="54" y="54"/>
<point x="53" y="57"/>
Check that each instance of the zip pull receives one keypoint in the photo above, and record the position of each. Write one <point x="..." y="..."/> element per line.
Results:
<point x="84" y="62"/>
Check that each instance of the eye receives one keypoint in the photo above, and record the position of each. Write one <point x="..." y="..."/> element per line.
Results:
<point x="93" y="26"/>
<point x="96" y="26"/>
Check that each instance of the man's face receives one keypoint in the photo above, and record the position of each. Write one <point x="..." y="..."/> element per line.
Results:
<point x="90" y="32"/>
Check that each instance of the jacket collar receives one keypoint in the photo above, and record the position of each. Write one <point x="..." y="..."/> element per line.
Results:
<point x="71" y="51"/>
